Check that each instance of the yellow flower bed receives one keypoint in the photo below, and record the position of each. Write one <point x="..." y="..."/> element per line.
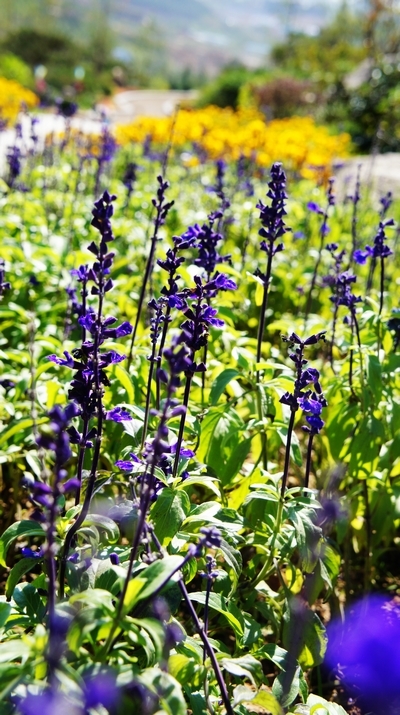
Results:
<point x="298" y="142"/>
<point x="12" y="96"/>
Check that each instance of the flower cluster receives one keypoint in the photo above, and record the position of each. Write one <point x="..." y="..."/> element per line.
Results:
<point x="171" y="264"/>
<point x="272" y="217"/>
<point x="12" y="96"/>
<point x="200" y="316"/>
<point x="206" y="241"/>
<point x="88" y="362"/>
<point x="379" y="249"/>
<point x="307" y="393"/>
<point x="225" y="134"/>
<point x="342" y="291"/>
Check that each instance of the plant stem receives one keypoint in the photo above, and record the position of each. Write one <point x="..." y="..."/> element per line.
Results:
<point x="264" y="306"/>
<point x="148" y="395"/>
<point x="149" y="268"/>
<point x="316" y="267"/>
<point x="308" y="463"/>
<point x="209" y="649"/>
<point x="189" y="378"/>
<point x="368" y="531"/>
<point x="287" y="453"/>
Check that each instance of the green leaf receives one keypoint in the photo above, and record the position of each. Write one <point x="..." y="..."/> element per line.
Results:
<point x="166" y="688"/>
<point x="210" y="483"/>
<point x="168" y="513"/>
<point x="198" y="704"/>
<point x="233" y="558"/>
<point x="19" y="428"/>
<point x="20" y="568"/>
<point x="374" y="373"/>
<point x="123" y="377"/>
<point x="229" y="470"/>
<point x="5" y="610"/>
<point x="20" y="528"/>
<point x="279" y="656"/>
<point x="229" y="610"/>
<point x="105" y="523"/>
<point x="304" y="627"/>
<point x="245" y="666"/>
<point x="27" y="598"/>
<point x="261" y="699"/>
<point x="268" y="702"/>
<point x="14" y="650"/>
<point x="220" y="384"/>
<point x="208" y="427"/>
<point x="185" y="670"/>
<point x="150" y="580"/>
<point x="286" y="686"/>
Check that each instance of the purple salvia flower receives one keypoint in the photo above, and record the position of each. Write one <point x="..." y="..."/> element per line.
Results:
<point x="366" y="649"/>
<point x="310" y="400"/>
<point x="129" y="178"/>
<point x="273" y="229"/>
<point x="117" y="414"/>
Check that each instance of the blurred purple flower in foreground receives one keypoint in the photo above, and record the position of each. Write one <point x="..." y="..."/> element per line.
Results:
<point x="366" y="652"/>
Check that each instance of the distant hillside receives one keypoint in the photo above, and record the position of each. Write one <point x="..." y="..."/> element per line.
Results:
<point x="202" y="34"/>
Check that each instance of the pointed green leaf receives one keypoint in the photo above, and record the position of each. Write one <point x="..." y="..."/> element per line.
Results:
<point x="20" y="528"/>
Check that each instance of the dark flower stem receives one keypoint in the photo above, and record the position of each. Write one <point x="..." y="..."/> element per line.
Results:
<point x="264" y="306"/>
<point x="185" y="403"/>
<point x="208" y="648"/>
<point x="308" y="463"/>
<point x="332" y="343"/>
<point x="260" y="335"/>
<point x="148" y="394"/>
<point x="368" y="532"/>
<point x="81" y="458"/>
<point x="246" y="241"/>
<point x="287" y="453"/>
<point x="160" y="352"/>
<point x="316" y="267"/>
<point x="351" y="358"/>
<point x="354" y="218"/>
<point x="162" y="209"/>
<point x="382" y="285"/>
<point x="148" y="270"/>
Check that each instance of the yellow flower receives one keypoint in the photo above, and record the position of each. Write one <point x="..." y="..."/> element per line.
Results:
<point x="12" y="96"/>
<point x="297" y="141"/>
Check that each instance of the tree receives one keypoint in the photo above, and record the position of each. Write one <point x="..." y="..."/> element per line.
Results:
<point x="328" y="56"/>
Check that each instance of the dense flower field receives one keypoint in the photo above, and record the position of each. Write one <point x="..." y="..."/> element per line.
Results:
<point x="225" y="134"/>
<point x="200" y="427"/>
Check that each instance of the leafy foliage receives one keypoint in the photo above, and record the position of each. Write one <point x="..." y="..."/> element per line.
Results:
<point x="180" y="518"/>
